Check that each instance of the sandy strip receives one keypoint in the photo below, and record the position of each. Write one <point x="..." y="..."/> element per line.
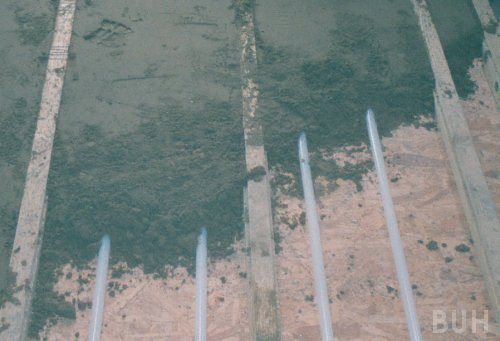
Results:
<point x="475" y="196"/>
<point x="259" y="230"/>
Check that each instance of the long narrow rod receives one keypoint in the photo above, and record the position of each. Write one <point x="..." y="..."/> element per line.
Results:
<point x="201" y="287"/>
<point x="392" y="226"/>
<point x="314" y="235"/>
<point x="99" y="290"/>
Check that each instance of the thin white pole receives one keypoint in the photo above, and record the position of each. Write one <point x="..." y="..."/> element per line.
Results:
<point x="392" y="226"/>
<point x="99" y="290"/>
<point x="201" y="287"/>
<point x="314" y="235"/>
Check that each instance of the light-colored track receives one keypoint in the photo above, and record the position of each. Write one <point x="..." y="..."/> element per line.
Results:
<point x="264" y="314"/>
<point x="476" y="199"/>
<point x="491" y="45"/>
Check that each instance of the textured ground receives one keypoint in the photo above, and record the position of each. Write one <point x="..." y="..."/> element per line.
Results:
<point x="148" y="91"/>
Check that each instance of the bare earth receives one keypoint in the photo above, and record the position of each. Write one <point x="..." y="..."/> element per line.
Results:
<point x="158" y="309"/>
<point x="357" y="254"/>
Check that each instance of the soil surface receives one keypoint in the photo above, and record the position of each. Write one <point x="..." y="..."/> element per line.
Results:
<point x="141" y="307"/>
<point x="149" y="146"/>
<point x="360" y="270"/>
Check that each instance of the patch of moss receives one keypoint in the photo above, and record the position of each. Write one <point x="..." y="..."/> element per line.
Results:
<point x="18" y="124"/>
<point x="432" y="245"/>
<point x="8" y="288"/>
<point x="241" y="8"/>
<point x="81" y="305"/>
<point x="491" y="27"/>
<point x="286" y="183"/>
<point x="391" y="290"/>
<point x="328" y="97"/>
<point x="462" y="248"/>
<point x="302" y="218"/>
<point x="56" y="308"/>
<point x="4" y="326"/>
<point x="32" y="29"/>
<point x="461" y="35"/>
<point x="429" y="125"/>
<point x="292" y="223"/>
<point x="149" y="189"/>
<point x="118" y="272"/>
<point x="495" y="6"/>
<point x="256" y="174"/>
<point x="277" y="241"/>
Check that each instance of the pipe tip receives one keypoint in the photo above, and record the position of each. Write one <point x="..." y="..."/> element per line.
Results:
<point x="105" y="239"/>
<point x="203" y="233"/>
<point x="302" y="135"/>
<point x="303" y="151"/>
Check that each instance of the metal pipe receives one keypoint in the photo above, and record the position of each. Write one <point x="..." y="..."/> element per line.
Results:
<point x="322" y="298"/>
<point x="99" y="290"/>
<point x="392" y="226"/>
<point x="201" y="287"/>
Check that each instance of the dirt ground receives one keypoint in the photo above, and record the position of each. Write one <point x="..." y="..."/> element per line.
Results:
<point x="361" y="276"/>
<point x="360" y="270"/>
<point x="357" y="252"/>
<point x="140" y="307"/>
<point x="359" y="265"/>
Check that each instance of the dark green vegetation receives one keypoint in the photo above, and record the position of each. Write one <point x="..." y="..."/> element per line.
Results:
<point x="491" y="27"/>
<point x="495" y="5"/>
<point x="18" y="121"/>
<point x="462" y="248"/>
<point x="150" y="190"/>
<point x="25" y="35"/>
<point x="149" y="144"/>
<point x="256" y="174"/>
<point x="392" y="291"/>
<point x="432" y="245"/>
<point x="328" y="97"/>
<point x="32" y="29"/>
<point x="241" y="7"/>
<point x="8" y="289"/>
<point x="461" y="35"/>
